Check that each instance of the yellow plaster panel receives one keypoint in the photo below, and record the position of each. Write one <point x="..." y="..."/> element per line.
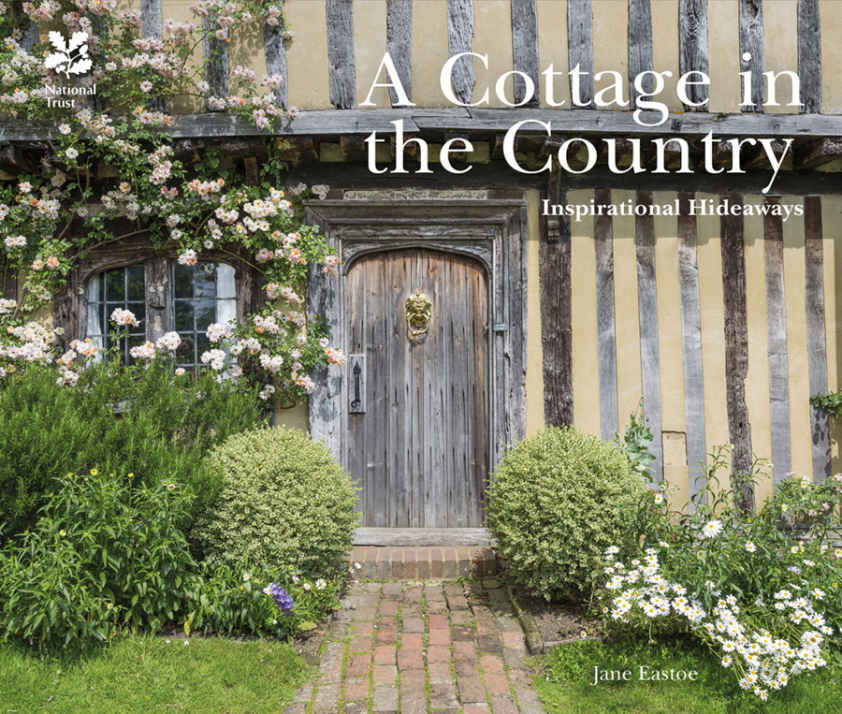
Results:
<point x="295" y="418"/>
<point x="757" y="380"/>
<point x="179" y="11"/>
<point x="584" y="327"/>
<point x="611" y="46"/>
<point x="626" y="316"/>
<point x="796" y="343"/>
<point x="832" y="249"/>
<point x="724" y="55"/>
<point x="552" y="45"/>
<point x="534" y="347"/>
<point x="429" y="51"/>
<point x="493" y="36"/>
<point x="665" y="48"/>
<point x="830" y="18"/>
<point x="780" y="52"/>
<point x="670" y="352"/>
<point x="307" y="65"/>
<point x="712" y="308"/>
<point x="369" y="48"/>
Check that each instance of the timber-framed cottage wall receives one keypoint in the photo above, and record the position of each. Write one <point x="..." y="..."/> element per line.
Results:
<point x="724" y="327"/>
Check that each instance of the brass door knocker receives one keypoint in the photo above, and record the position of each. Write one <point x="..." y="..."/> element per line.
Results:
<point x="418" y="310"/>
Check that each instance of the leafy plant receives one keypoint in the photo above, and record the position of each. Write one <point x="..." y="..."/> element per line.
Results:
<point x="555" y="502"/>
<point x="105" y="555"/>
<point x="636" y="441"/>
<point x="764" y="597"/>
<point x="235" y="600"/>
<point x="828" y="402"/>
<point x="283" y="501"/>
<point x="166" y="426"/>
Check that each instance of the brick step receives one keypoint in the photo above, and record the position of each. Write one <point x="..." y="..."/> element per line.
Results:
<point x="422" y="562"/>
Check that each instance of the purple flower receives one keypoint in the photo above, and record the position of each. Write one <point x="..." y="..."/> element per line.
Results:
<point x="281" y="597"/>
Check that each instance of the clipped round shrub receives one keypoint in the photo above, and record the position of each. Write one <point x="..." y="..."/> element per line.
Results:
<point x="556" y="501"/>
<point x="283" y="501"/>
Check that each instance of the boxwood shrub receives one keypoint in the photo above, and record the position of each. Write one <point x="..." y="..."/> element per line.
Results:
<point x="283" y="501"/>
<point x="556" y="501"/>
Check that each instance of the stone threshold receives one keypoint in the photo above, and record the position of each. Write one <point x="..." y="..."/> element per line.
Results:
<point x="412" y="537"/>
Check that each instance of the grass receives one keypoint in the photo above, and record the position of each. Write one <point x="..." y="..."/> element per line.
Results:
<point x="151" y="674"/>
<point x="568" y="674"/>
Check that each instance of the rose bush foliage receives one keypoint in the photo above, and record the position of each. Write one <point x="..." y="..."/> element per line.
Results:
<point x="179" y="198"/>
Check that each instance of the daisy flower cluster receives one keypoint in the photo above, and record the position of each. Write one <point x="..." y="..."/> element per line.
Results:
<point x="762" y="661"/>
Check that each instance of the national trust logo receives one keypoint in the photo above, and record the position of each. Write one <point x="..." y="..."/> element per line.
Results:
<point x="69" y="57"/>
<point x="71" y="60"/>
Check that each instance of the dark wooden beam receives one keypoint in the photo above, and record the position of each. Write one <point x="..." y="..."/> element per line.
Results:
<point x="751" y="43"/>
<point x="460" y="33"/>
<point x="810" y="55"/>
<point x="777" y="340"/>
<point x="736" y="348"/>
<point x="691" y="330"/>
<point x="647" y="300"/>
<point x="818" y="153"/>
<point x="399" y="42"/>
<point x="605" y="316"/>
<point x="640" y="45"/>
<point x="340" y="52"/>
<point x="579" y="122"/>
<point x="693" y="43"/>
<point x="816" y="338"/>
<point x="556" y="311"/>
<point x="525" y="46"/>
<point x="580" y="42"/>
<point x="275" y="51"/>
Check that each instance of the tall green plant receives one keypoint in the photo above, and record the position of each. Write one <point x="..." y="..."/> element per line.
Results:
<point x="164" y="427"/>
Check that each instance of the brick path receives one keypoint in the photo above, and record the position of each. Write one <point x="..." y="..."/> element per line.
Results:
<point x="410" y="647"/>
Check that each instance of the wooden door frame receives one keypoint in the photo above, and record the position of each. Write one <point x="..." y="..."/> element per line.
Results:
<point x="491" y="230"/>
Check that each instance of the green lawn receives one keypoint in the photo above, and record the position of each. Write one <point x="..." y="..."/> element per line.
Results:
<point x="568" y="674"/>
<point x="151" y="675"/>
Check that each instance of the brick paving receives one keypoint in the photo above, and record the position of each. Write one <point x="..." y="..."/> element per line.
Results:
<point x="418" y="647"/>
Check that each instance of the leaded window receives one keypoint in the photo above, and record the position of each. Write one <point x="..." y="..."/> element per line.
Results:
<point x="196" y="296"/>
<point x="124" y="288"/>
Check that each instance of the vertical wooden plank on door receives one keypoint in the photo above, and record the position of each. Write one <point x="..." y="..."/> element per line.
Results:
<point x="606" y="340"/>
<point x="356" y="344"/>
<point x="816" y="343"/>
<point x="691" y="328"/>
<point x="778" y="369"/>
<point x="398" y="484"/>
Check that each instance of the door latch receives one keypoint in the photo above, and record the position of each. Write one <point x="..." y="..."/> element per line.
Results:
<point x="356" y="372"/>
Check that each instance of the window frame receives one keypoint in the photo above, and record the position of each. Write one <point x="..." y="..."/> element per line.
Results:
<point x="70" y="305"/>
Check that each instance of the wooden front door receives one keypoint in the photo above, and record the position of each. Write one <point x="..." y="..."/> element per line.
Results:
<point x="418" y="408"/>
